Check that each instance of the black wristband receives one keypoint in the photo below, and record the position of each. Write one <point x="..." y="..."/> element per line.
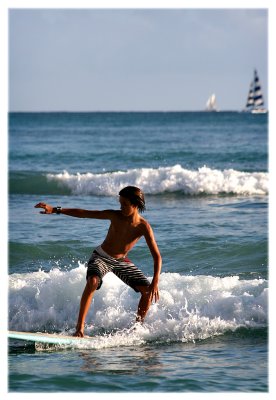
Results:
<point x="58" y="210"/>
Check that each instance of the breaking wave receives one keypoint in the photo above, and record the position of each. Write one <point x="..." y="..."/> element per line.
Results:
<point x="165" y="179"/>
<point x="190" y="307"/>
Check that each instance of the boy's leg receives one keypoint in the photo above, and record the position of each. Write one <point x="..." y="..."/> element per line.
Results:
<point x="134" y="277"/>
<point x="144" y="303"/>
<point x="89" y="290"/>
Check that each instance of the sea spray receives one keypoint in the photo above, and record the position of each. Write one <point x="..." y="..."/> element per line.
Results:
<point x="190" y="307"/>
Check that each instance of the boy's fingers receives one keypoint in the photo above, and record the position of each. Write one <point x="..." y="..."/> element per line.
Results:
<point x="39" y="205"/>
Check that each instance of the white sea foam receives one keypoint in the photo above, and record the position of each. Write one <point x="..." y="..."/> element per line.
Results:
<point x="166" y="179"/>
<point x="190" y="307"/>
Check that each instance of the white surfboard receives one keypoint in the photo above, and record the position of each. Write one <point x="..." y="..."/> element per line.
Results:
<point x="49" y="338"/>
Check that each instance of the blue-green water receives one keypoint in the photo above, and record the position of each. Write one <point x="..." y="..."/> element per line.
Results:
<point x="206" y="184"/>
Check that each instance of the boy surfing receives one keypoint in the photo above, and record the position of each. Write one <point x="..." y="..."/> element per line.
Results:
<point x="127" y="226"/>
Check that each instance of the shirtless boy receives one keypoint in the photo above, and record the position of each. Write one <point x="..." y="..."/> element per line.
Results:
<point x="126" y="228"/>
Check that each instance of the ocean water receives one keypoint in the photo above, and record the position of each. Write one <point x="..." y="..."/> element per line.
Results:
<point x="205" y="178"/>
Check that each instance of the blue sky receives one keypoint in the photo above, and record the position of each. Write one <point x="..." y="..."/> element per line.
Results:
<point x="134" y="59"/>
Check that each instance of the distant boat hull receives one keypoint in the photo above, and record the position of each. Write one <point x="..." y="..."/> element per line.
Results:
<point x="260" y="111"/>
<point x="256" y="111"/>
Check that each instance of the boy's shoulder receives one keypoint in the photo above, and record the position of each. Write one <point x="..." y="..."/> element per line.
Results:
<point x="143" y="220"/>
<point x="144" y="223"/>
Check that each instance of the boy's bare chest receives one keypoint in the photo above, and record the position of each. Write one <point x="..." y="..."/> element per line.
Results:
<point x="125" y="230"/>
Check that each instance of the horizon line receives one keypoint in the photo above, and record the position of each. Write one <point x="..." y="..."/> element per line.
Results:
<point x="122" y="111"/>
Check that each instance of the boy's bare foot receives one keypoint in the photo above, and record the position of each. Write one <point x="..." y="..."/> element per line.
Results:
<point x="78" y="333"/>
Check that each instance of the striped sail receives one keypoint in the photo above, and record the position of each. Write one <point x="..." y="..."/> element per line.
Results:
<point x="255" y="100"/>
<point x="250" y="97"/>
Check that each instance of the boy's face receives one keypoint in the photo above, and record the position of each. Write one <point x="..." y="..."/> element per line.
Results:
<point x="126" y="207"/>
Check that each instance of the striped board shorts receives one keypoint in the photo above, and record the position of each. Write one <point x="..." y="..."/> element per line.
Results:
<point x="100" y="263"/>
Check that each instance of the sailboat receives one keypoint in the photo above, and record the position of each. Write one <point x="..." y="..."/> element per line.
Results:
<point x="255" y="100"/>
<point x="211" y="104"/>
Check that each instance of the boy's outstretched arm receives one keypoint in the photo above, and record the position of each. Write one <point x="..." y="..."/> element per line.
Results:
<point x="74" y="212"/>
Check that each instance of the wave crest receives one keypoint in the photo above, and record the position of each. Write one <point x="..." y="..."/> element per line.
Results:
<point x="166" y="179"/>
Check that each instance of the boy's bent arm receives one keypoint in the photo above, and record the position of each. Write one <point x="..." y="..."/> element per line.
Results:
<point x="157" y="259"/>
<point x="151" y="242"/>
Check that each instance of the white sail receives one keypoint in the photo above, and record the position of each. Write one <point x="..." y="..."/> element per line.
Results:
<point x="211" y="104"/>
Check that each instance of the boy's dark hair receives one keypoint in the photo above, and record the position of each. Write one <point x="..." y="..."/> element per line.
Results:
<point x="135" y="196"/>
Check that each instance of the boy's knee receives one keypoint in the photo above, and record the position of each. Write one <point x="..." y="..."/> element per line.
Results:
<point x="93" y="282"/>
<point x="144" y="291"/>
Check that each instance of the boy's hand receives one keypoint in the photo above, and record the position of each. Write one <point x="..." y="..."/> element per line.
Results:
<point x="154" y="291"/>
<point x="47" y="208"/>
